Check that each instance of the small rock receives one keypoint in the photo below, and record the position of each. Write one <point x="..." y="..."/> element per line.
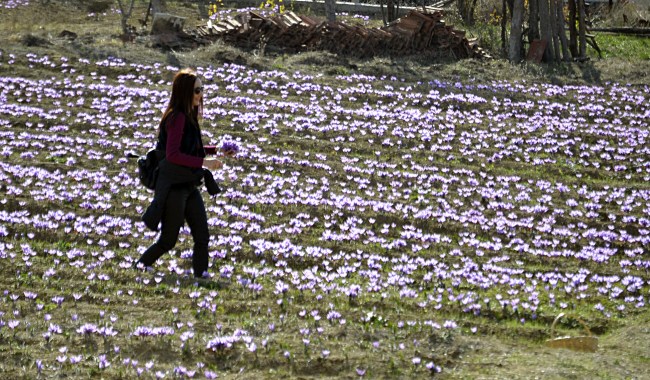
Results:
<point x="68" y="35"/>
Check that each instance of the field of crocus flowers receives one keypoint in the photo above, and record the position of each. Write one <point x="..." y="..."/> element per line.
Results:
<point x="370" y="226"/>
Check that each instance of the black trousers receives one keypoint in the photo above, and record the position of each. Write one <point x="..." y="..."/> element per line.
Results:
<point x="184" y="204"/>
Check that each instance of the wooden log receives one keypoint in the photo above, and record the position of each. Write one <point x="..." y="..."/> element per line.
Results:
<point x="244" y="20"/>
<point x="411" y="24"/>
<point x="281" y="21"/>
<point x="203" y="31"/>
<point x="256" y="15"/>
<point x="293" y="17"/>
<point x="624" y="30"/>
<point x="413" y="33"/>
<point x="233" y="23"/>
<point x="420" y="16"/>
<point x="255" y="23"/>
<point x="309" y="21"/>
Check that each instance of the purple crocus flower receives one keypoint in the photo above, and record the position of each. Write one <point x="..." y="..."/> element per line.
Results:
<point x="230" y="146"/>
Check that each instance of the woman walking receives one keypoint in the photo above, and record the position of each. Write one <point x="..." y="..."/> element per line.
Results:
<point x="177" y="197"/>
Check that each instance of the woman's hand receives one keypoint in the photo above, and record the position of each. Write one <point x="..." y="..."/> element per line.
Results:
<point x="212" y="163"/>
<point x="229" y="152"/>
<point x="229" y="148"/>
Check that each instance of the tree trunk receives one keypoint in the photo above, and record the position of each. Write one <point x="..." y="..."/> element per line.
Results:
<point x="554" y="31"/>
<point x="514" y="51"/>
<point x="158" y="6"/>
<point x="545" y="30"/>
<point x="466" y="9"/>
<point x="573" y="32"/>
<point x="125" y="14"/>
<point x="330" y="10"/>
<point x="582" y="31"/>
<point x="390" y="10"/>
<point x="533" y="20"/>
<point x="503" y="27"/>
<point x="560" y="27"/>
<point x="396" y="10"/>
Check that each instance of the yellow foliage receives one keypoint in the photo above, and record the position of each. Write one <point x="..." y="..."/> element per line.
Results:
<point x="271" y="4"/>
<point x="214" y="7"/>
<point x="495" y="17"/>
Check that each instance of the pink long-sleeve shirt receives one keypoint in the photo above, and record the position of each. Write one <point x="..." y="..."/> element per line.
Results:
<point x="174" y="136"/>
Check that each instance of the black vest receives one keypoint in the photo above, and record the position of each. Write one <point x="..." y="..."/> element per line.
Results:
<point x="191" y="143"/>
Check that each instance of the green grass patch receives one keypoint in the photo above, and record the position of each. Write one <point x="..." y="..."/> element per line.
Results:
<point x="621" y="46"/>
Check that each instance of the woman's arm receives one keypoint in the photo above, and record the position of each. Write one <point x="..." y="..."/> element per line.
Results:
<point x="219" y="152"/>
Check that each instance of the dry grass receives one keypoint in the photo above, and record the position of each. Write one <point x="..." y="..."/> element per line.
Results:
<point x="99" y="39"/>
<point x="622" y="354"/>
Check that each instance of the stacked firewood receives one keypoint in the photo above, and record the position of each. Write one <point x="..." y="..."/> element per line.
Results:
<point x="419" y="31"/>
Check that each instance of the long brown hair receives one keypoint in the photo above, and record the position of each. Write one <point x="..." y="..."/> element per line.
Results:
<point x="182" y="96"/>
